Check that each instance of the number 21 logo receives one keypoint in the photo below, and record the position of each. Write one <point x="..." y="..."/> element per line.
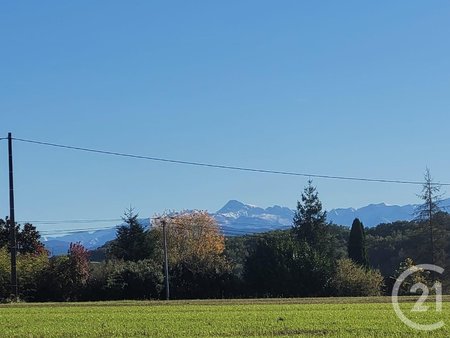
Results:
<point x="419" y="306"/>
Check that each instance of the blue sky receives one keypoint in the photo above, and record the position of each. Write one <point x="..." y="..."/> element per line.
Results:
<point x="332" y="87"/>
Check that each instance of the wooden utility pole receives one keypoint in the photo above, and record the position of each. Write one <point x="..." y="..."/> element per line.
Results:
<point x="12" y="223"/>
<point x="166" y="259"/>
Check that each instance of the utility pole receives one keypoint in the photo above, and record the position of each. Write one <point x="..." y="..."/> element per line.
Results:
<point x="12" y="223"/>
<point x="166" y="260"/>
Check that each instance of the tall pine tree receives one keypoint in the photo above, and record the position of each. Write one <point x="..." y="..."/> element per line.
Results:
<point x="315" y="244"/>
<point x="310" y="223"/>
<point x="131" y="242"/>
<point x="426" y="212"/>
<point x="357" y="244"/>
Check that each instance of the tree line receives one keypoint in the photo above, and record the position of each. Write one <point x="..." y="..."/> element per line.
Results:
<point x="313" y="258"/>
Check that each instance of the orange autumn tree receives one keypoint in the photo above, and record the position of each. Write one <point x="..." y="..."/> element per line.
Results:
<point x="195" y="238"/>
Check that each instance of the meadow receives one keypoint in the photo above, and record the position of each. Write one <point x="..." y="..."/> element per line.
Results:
<point x="322" y="317"/>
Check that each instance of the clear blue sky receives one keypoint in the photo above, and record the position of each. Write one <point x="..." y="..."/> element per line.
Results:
<point x="328" y="87"/>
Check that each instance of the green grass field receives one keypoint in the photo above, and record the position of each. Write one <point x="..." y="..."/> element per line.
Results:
<point x="339" y="317"/>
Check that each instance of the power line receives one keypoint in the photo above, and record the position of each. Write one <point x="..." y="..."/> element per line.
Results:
<point x="226" y="167"/>
<point x="177" y="226"/>
<point x="71" y="221"/>
<point x="173" y="224"/>
<point x="62" y="232"/>
<point x="226" y="228"/>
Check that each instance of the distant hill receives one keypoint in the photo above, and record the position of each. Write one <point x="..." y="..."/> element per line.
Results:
<point x="90" y="239"/>
<point x="372" y="214"/>
<point x="237" y="218"/>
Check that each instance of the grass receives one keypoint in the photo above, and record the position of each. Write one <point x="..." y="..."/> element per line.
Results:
<point x="329" y="317"/>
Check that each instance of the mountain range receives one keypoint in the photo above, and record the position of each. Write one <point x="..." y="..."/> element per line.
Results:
<point x="237" y="218"/>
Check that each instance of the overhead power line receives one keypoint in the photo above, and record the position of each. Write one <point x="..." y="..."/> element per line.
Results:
<point x="226" y="228"/>
<point x="226" y="167"/>
<point x="72" y="221"/>
<point x="72" y="231"/>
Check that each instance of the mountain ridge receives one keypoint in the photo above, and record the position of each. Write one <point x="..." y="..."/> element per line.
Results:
<point x="238" y="218"/>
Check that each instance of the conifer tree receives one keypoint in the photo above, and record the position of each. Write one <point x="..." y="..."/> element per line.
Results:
<point x="130" y="244"/>
<point x="310" y="221"/>
<point x="357" y="251"/>
<point x="426" y="212"/>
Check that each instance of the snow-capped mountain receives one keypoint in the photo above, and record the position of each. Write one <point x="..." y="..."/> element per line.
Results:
<point x="237" y="218"/>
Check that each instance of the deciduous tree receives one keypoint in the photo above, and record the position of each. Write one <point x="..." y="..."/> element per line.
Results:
<point x="194" y="237"/>
<point x="198" y="268"/>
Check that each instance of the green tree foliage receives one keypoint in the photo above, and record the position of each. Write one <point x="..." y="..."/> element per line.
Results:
<point x="389" y="244"/>
<point x="32" y="260"/>
<point x="66" y="276"/>
<point x="269" y="269"/>
<point x="279" y="265"/>
<point x="125" y="280"/>
<point x="293" y="263"/>
<point x="5" y="290"/>
<point x="352" y="279"/>
<point x="236" y="252"/>
<point x="4" y="234"/>
<point x="310" y="221"/>
<point x="311" y="227"/>
<point x="339" y="236"/>
<point x="205" y="264"/>
<point x="131" y="243"/>
<point x="188" y="281"/>
<point x="30" y="268"/>
<point x="27" y="237"/>
<point x="357" y="244"/>
<point x="54" y="284"/>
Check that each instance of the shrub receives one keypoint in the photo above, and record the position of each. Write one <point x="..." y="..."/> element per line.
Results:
<point x="65" y="277"/>
<point x="351" y="279"/>
<point x="189" y="280"/>
<point x="125" y="280"/>
<point x="30" y="267"/>
<point x="280" y="266"/>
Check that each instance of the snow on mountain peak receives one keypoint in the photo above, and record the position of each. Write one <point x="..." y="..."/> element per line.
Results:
<point x="237" y="218"/>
